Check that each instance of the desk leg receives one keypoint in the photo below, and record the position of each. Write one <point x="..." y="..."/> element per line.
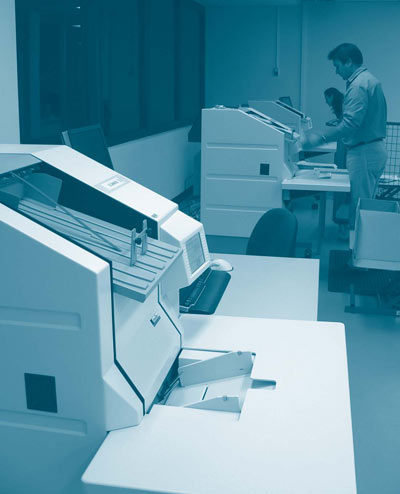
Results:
<point x="321" y="220"/>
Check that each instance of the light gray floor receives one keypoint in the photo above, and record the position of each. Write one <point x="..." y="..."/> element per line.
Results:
<point x="373" y="349"/>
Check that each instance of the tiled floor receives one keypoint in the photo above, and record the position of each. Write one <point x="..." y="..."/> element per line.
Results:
<point x="373" y="349"/>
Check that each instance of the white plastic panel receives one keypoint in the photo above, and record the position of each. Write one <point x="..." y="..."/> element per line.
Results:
<point x="178" y="230"/>
<point x="244" y="160"/>
<point x="250" y="193"/>
<point x="147" y="343"/>
<point x="233" y="207"/>
<point x="55" y="323"/>
<point x="94" y="174"/>
<point x="280" y="113"/>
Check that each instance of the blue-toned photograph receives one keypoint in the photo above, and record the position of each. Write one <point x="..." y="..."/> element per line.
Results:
<point x="200" y="247"/>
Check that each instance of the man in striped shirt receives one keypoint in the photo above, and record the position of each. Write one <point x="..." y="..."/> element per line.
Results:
<point x="363" y="127"/>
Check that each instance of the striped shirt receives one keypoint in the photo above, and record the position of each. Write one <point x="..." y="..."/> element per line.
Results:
<point x="364" y="110"/>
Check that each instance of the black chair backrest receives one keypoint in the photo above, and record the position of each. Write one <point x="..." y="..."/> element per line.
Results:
<point x="274" y="234"/>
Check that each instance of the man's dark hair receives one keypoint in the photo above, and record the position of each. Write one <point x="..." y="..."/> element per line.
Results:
<point x="345" y="51"/>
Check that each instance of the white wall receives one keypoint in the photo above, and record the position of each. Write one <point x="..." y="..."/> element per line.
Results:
<point x="163" y="163"/>
<point x="9" y="114"/>
<point x="373" y="27"/>
<point x="241" y="54"/>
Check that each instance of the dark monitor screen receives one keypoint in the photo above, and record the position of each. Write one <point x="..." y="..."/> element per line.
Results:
<point x="90" y="142"/>
<point x="287" y="100"/>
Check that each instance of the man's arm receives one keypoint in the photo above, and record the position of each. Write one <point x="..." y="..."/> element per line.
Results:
<point x="354" y="110"/>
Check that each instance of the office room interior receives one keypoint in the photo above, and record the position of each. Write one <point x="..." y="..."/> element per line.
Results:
<point x="163" y="62"/>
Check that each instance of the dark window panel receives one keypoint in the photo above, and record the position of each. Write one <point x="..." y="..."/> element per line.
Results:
<point x="134" y="66"/>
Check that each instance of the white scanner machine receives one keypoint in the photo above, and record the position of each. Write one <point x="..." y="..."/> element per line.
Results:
<point x="245" y="155"/>
<point x="293" y="118"/>
<point x="102" y="389"/>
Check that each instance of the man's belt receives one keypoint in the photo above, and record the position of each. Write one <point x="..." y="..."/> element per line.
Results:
<point x="364" y="142"/>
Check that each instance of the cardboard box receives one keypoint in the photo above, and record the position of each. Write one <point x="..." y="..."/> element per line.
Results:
<point x="377" y="235"/>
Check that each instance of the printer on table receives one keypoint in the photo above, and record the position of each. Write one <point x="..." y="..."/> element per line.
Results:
<point x="245" y="155"/>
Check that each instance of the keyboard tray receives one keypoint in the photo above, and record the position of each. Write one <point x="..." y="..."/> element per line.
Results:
<point x="204" y="294"/>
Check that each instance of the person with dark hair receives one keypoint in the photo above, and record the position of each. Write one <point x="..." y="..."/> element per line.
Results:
<point x="362" y="128"/>
<point x="334" y="99"/>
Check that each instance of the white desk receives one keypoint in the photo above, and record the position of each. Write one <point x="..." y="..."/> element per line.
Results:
<point x="327" y="148"/>
<point x="273" y="287"/>
<point x="307" y="180"/>
<point x="295" y="439"/>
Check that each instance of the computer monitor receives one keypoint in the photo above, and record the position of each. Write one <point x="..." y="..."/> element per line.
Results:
<point x="195" y="253"/>
<point x="89" y="141"/>
<point x="287" y="100"/>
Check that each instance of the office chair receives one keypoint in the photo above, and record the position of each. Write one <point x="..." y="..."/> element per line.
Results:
<point x="274" y="234"/>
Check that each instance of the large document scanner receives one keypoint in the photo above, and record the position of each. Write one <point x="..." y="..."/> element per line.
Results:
<point x="245" y="155"/>
<point x="104" y="391"/>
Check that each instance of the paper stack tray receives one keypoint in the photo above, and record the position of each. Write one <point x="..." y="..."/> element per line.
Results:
<point x="136" y="281"/>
